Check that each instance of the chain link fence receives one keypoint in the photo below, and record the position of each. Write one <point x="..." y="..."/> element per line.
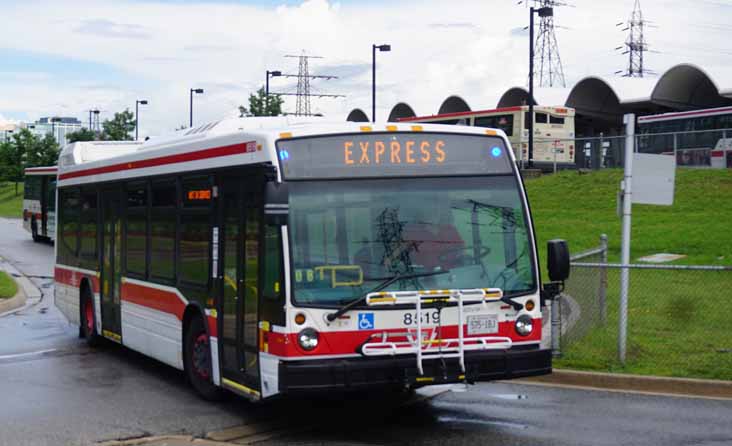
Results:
<point x="694" y="148"/>
<point x="678" y="318"/>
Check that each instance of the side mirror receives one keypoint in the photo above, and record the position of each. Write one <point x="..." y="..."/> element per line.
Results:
<point x="276" y="203"/>
<point x="557" y="260"/>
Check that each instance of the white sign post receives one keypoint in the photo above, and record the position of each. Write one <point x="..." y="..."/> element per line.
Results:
<point x="654" y="179"/>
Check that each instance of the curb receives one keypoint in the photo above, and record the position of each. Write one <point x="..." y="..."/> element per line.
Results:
<point x="689" y="387"/>
<point x="31" y="293"/>
<point x="15" y="302"/>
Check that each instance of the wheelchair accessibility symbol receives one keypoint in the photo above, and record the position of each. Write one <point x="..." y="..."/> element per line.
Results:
<point x="365" y="321"/>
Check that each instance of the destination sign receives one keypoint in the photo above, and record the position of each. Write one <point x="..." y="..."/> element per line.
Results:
<point x="392" y="154"/>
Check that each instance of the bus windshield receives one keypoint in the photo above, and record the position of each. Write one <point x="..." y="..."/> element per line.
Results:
<point x="349" y="236"/>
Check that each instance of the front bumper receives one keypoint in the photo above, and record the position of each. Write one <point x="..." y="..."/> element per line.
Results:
<point x="398" y="371"/>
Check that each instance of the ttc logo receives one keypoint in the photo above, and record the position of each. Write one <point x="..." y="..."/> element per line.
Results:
<point x="365" y="321"/>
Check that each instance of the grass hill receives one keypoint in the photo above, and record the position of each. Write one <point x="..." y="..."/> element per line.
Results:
<point x="578" y="208"/>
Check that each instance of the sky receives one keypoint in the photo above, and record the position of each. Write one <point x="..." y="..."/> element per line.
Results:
<point x="63" y="58"/>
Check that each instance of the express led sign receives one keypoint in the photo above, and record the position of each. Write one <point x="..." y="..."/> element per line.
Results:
<point x="392" y="154"/>
<point x="380" y="151"/>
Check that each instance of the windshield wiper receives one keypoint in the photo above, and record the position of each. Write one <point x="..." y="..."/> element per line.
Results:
<point x="344" y="309"/>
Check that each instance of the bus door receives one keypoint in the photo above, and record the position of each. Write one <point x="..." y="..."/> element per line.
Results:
<point x="240" y="239"/>
<point x="111" y="264"/>
<point x="44" y="205"/>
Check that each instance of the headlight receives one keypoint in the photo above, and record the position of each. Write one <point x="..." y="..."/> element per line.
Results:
<point x="524" y="325"/>
<point x="308" y="339"/>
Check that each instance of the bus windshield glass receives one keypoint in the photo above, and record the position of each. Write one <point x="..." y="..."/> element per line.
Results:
<point x="347" y="237"/>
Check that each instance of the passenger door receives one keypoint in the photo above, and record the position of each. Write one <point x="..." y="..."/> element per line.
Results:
<point x="111" y="266"/>
<point x="240" y="240"/>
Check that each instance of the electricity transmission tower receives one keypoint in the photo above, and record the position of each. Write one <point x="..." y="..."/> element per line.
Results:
<point x="303" y="85"/>
<point x="635" y="45"/>
<point x="547" y="63"/>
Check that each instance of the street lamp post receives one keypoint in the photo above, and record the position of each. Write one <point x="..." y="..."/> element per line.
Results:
<point x="266" y="89"/>
<point x="384" y="47"/>
<point x="137" y="116"/>
<point x="197" y="91"/>
<point x="545" y="11"/>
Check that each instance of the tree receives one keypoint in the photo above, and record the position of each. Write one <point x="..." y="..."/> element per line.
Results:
<point x="26" y="150"/>
<point x="81" y="135"/>
<point x="119" y="127"/>
<point x="259" y="106"/>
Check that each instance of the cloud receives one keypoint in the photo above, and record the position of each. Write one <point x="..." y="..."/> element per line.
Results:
<point x="226" y="47"/>
<point x="453" y="25"/>
<point x="107" y="28"/>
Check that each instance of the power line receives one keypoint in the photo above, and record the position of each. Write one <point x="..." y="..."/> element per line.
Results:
<point x="547" y="63"/>
<point x="303" y="85"/>
<point x="635" y="44"/>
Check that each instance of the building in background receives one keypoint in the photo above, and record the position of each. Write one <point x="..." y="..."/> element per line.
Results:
<point x="58" y="126"/>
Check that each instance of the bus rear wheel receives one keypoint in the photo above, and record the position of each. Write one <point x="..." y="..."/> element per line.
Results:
<point x="34" y="231"/>
<point x="197" y="358"/>
<point x="88" y="327"/>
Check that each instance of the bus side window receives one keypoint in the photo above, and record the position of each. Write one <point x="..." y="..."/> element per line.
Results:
<point x="541" y="118"/>
<point x="556" y="120"/>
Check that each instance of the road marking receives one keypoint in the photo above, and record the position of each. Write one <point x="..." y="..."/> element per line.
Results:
<point x="598" y="389"/>
<point x="23" y="355"/>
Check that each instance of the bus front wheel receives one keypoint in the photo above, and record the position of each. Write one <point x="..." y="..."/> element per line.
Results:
<point x="197" y="357"/>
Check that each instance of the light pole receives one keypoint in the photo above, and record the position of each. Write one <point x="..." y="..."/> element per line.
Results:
<point x="545" y="11"/>
<point x="373" y="76"/>
<point x="137" y="115"/>
<point x="197" y="91"/>
<point x="266" y="89"/>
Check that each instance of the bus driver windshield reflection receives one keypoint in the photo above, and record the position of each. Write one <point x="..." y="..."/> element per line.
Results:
<point x="348" y="237"/>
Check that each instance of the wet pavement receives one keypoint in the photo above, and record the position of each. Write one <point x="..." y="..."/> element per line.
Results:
<point x="56" y="391"/>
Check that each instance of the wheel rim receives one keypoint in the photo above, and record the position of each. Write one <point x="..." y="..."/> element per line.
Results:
<point x="88" y="310"/>
<point x="201" y="358"/>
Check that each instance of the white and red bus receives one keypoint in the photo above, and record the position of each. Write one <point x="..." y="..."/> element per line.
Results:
<point x="553" y="130"/>
<point x="273" y="256"/>
<point x="39" y="202"/>
<point x="699" y="139"/>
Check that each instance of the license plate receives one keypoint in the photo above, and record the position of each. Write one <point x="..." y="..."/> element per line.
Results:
<point x="482" y="324"/>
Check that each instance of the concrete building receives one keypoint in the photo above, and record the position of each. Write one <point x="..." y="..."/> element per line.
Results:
<point x="601" y="102"/>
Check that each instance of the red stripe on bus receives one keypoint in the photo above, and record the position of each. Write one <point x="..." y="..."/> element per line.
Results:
<point x="457" y="114"/>
<point x="343" y="343"/>
<point x="73" y="278"/>
<point x="670" y="116"/>
<point x="215" y="152"/>
<point x="716" y="153"/>
<point x="41" y="170"/>
<point x="154" y="298"/>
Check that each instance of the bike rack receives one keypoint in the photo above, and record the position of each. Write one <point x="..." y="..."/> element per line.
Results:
<point x="434" y="348"/>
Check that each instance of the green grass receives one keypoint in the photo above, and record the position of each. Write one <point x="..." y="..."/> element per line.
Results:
<point x="678" y="320"/>
<point x="578" y="208"/>
<point x="7" y="286"/>
<point x="11" y="205"/>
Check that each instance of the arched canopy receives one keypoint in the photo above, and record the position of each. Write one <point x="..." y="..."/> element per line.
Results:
<point x="593" y="96"/>
<point x="514" y="97"/>
<point x="453" y="104"/>
<point x="357" y="115"/>
<point x="401" y="110"/>
<point x="686" y="87"/>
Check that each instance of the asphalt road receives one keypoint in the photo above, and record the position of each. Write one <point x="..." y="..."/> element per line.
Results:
<point x="56" y="391"/>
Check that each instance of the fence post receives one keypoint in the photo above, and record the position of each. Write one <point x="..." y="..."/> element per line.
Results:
<point x="556" y="327"/>
<point x="602" y="292"/>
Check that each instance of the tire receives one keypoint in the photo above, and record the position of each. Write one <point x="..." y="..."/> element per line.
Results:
<point x="34" y="231"/>
<point x="197" y="361"/>
<point x="88" y="327"/>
